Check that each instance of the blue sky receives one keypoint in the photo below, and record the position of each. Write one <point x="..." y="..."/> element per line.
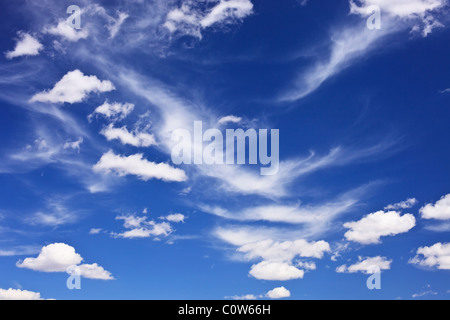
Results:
<point x="87" y="177"/>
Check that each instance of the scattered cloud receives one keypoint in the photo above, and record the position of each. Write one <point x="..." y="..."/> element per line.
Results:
<point x="436" y="256"/>
<point x="372" y="227"/>
<point x="26" y="45"/>
<point x="59" y="257"/>
<point x="229" y="119"/>
<point x="192" y="16"/>
<point x="407" y="204"/>
<point x="136" y="165"/>
<point x="74" y="87"/>
<point x="135" y="138"/>
<point x="113" y="111"/>
<point x="439" y="211"/>
<point x="177" y="218"/>
<point x="140" y="227"/>
<point x="278" y="293"/>
<point x="66" y="32"/>
<point x="367" y="265"/>
<point x="17" y="294"/>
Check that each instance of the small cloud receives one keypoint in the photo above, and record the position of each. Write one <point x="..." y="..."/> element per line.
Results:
<point x="74" y="87"/>
<point x="278" y="293"/>
<point x="26" y="45"/>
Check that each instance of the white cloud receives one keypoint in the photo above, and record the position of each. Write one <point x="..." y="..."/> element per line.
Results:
<point x="115" y="25"/>
<point x="270" y="250"/>
<point x="75" y="145"/>
<point x="140" y="227"/>
<point x="439" y="211"/>
<point x="26" y="45"/>
<point x="113" y="111"/>
<point x="55" y="257"/>
<point x="399" y="8"/>
<point x="369" y="229"/>
<point x="60" y="257"/>
<point x="350" y="44"/>
<point x="275" y="271"/>
<point x="436" y="256"/>
<point x="278" y="293"/>
<point x="191" y="18"/>
<point x="74" y="87"/>
<point x="66" y="32"/>
<point x="136" y="165"/>
<point x="55" y="215"/>
<point x="91" y="271"/>
<point x="177" y="217"/>
<point x="229" y="119"/>
<point x="244" y="297"/>
<point x="367" y="265"/>
<point x="135" y="138"/>
<point x="95" y="231"/>
<point x="17" y="294"/>
<point x="407" y="204"/>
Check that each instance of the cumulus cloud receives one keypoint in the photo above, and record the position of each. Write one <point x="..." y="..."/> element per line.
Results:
<point x="17" y="294"/>
<point x="192" y="16"/>
<point x="74" y="87"/>
<point x="367" y="265"/>
<point x="26" y="45"/>
<point x="60" y="257"/>
<point x="439" y="211"/>
<point x="138" y="166"/>
<point x="369" y="229"/>
<point x="275" y="271"/>
<point x="436" y="256"/>
<point x="113" y="111"/>
<point x="278" y="293"/>
<point x="135" y="138"/>
<point x="278" y="257"/>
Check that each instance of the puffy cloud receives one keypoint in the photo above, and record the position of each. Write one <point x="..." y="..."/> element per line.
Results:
<point x="67" y="32"/>
<point x="55" y="257"/>
<point x="16" y="294"/>
<point x="367" y="265"/>
<point x="136" y="139"/>
<point x="60" y="257"/>
<point x="26" y="45"/>
<point x="113" y="111"/>
<point x="138" y="166"/>
<point x="436" y="256"/>
<point x="439" y="211"/>
<point x="192" y="16"/>
<point x="407" y="204"/>
<point x="74" y="87"/>
<point x="278" y="293"/>
<point x="275" y="271"/>
<point x="91" y="271"/>
<point x="369" y="229"/>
